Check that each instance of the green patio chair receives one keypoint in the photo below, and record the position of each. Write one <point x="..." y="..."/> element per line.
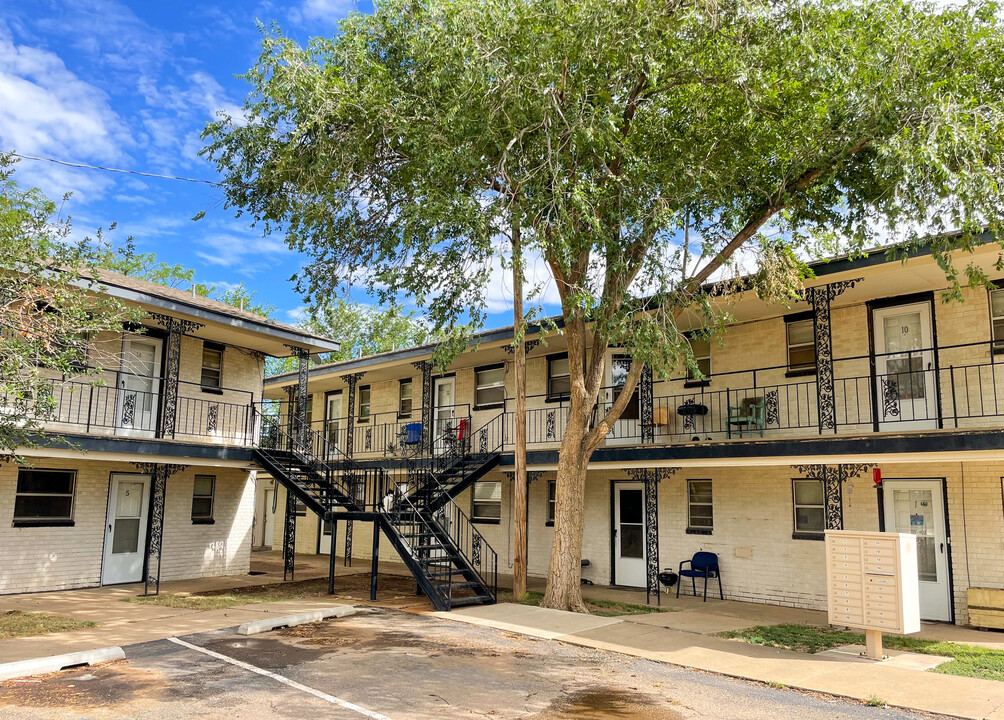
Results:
<point x="748" y="415"/>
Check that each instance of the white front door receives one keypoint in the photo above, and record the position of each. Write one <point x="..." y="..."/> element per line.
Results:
<point x="443" y="410"/>
<point x="917" y="507"/>
<point x="139" y="387"/>
<point x="269" y="524"/>
<point x="125" y="529"/>
<point x="333" y="424"/>
<point x="629" y="534"/>
<point x="626" y="429"/>
<point x="324" y="544"/>
<point x="904" y="368"/>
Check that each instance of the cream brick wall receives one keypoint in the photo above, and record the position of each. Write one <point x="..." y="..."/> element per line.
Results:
<point x="56" y="558"/>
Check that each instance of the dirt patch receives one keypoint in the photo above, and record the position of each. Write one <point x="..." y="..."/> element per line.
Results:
<point x="607" y="703"/>
<point x="88" y="688"/>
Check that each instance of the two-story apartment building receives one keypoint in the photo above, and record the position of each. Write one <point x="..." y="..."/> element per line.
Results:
<point x="145" y="471"/>
<point x="799" y="411"/>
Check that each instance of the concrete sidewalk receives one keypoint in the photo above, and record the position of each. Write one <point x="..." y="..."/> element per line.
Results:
<point x="659" y="637"/>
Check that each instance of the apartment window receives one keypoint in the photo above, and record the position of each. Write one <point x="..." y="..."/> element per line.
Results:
<point x="300" y="509"/>
<point x="487" y="502"/>
<point x="552" y="494"/>
<point x="202" y="498"/>
<point x="559" y="380"/>
<point x="801" y="344"/>
<point x="212" y="365"/>
<point x="809" y="504"/>
<point x="701" y="511"/>
<point x="700" y="347"/>
<point x="404" y="400"/>
<point x="489" y="387"/>
<point x="44" y="497"/>
<point x="997" y="319"/>
<point x="364" y="403"/>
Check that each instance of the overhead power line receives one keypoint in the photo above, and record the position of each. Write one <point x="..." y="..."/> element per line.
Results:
<point x="85" y="166"/>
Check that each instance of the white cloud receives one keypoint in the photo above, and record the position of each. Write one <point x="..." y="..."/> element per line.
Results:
<point x="241" y="252"/>
<point x="498" y="293"/>
<point x="46" y="110"/>
<point x="325" y="10"/>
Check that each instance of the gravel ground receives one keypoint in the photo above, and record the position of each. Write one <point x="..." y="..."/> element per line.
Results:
<point x="402" y="666"/>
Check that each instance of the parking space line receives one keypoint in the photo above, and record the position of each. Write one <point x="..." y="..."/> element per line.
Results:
<point x="284" y="680"/>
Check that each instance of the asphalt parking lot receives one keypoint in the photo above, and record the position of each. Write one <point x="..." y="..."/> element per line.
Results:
<point x="390" y="664"/>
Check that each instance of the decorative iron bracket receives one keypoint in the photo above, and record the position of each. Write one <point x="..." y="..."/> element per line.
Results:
<point x="833" y="478"/>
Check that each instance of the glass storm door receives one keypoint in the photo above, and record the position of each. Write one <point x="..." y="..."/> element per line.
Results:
<point x="139" y="387"/>
<point x="125" y="530"/>
<point x="269" y="524"/>
<point x="904" y="368"/>
<point x="444" y="409"/>
<point x="916" y="507"/>
<point x="333" y="424"/>
<point x="626" y="429"/>
<point x="629" y="534"/>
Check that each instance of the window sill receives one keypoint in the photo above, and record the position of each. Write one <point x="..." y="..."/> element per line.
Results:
<point x="804" y="372"/>
<point x="697" y="384"/>
<point x="497" y="406"/>
<point x="203" y="521"/>
<point x="807" y="536"/>
<point x="549" y="523"/>
<point x="698" y="531"/>
<point x="212" y="390"/>
<point x="558" y="398"/>
<point x="998" y="350"/>
<point x="495" y="521"/>
<point x="42" y="524"/>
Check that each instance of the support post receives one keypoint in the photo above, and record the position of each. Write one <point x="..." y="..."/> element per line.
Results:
<point x="302" y="356"/>
<point x="425" y="367"/>
<point x="873" y="644"/>
<point x="347" y="560"/>
<point x="155" y="528"/>
<point x="819" y="298"/>
<point x="290" y="413"/>
<point x="351" y="380"/>
<point x="289" y="537"/>
<point x="176" y="328"/>
<point x="331" y="557"/>
<point x="375" y="561"/>
<point x="646" y="400"/>
<point x="652" y="477"/>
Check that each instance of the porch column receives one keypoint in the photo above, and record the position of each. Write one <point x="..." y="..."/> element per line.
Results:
<point x="352" y="379"/>
<point x="647" y="402"/>
<point x="159" y="474"/>
<point x="833" y="478"/>
<point x="302" y="356"/>
<point x="289" y="537"/>
<point x="176" y="328"/>
<point x="290" y="404"/>
<point x="819" y="298"/>
<point x="652" y="477"/>
<point x="425" y="367"/>
<point x="347" y="560"/>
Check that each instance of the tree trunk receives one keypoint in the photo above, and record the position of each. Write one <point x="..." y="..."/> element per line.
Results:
<point x="519" y="373"/>
<point x="563" y="576"/>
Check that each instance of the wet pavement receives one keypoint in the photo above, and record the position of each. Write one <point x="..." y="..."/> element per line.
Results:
<point x="400" y="666"/>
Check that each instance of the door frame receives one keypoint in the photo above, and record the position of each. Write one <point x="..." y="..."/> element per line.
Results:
<point x="158" y="419"/>
<point x="327" y="399"/>
<point x="948" y="531"/>
<point x="144" y="535"/>
<point x="266" y="514"/>
<point x="452" y="377"/>
<point x="613" y="519"/>
<point x="885" y="304"/>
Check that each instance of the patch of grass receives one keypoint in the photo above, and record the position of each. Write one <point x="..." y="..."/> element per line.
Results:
<point x="967" y="660"/>
<point x="16" y="623"/>
<point x="602" y="608"/>
<point x="874" y="701"/>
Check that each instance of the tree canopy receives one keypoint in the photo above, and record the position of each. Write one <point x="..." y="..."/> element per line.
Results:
<point x="640" y="147"/>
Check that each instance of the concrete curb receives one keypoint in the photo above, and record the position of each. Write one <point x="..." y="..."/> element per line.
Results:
<point x="259" y="626"/>
<point x="54" y="663"/>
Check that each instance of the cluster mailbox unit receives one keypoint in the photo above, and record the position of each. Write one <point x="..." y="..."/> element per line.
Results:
<point x="872" y="584"/>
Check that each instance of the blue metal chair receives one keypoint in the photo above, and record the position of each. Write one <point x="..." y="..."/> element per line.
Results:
<point x="413" y="433"/>
<point x="702" y="565"/>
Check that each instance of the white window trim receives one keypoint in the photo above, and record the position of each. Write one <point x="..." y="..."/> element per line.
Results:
<point x="798" y="346"/>
<point x="211" y="496"/>
<point x="997" y="343"/>
<point x="475" y="502"/>
<point x="213" y="347"/>
<point x="795" y="506"/>
<point x="691" y="504"/>
<point x="478" y="387"/>
<point x="552" y="503"/>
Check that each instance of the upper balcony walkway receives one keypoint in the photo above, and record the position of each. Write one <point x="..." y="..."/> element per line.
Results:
<point x="944" y="388"/>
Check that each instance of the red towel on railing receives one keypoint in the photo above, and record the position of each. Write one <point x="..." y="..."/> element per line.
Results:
<point x="462" y="429"/>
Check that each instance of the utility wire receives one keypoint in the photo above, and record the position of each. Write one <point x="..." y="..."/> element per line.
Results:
<point x="118" y="170"/>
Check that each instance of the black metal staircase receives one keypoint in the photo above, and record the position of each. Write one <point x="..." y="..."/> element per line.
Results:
<point x="412" y="503"/>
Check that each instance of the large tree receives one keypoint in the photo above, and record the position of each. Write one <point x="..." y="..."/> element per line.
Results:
<point x="51" y="313"/>
<point x="642" y="147"/>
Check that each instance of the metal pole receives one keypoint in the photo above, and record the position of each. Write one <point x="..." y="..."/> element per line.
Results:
<point x="375" y="561"/>
<point x="331" y="557"/>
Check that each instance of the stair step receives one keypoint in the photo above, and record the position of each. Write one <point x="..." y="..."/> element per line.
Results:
<point x="467" y="585"/>
<point x="472" y="600"/>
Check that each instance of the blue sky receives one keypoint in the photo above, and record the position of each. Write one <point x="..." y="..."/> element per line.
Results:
<point x="131" y="85"/>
